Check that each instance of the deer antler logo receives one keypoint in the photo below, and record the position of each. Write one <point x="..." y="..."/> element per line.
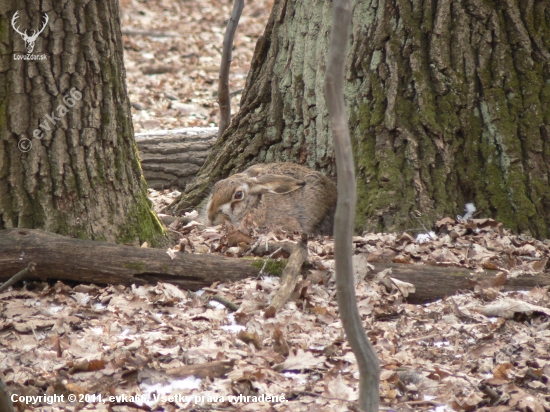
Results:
<point x="29" y="40"/>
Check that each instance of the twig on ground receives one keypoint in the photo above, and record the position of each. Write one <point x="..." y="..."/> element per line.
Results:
<point x="228" y="304"/>
<point x="18" y="276"/>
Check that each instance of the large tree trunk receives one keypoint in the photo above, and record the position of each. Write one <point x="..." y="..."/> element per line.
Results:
<point x="448" y="101"/>
<point x="68" y="158"/>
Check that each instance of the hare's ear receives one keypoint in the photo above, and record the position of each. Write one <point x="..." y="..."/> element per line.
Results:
<point x="278" y="184"/>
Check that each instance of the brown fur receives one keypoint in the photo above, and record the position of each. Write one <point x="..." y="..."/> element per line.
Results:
<point x="284" y="195"/>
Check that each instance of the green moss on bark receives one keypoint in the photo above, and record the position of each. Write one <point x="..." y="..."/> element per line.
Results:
<point x="273" y="267"/>
<point x="142" y="225"/>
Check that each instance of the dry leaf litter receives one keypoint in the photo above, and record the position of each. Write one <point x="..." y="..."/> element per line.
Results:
<point x="172" y="55"/>
<point x="161" y="348"/>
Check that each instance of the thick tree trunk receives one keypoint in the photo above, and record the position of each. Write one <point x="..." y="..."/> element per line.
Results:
<point x="68" y="158"/>
<point x="448" y="101"/>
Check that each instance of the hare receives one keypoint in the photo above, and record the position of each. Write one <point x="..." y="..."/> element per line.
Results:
<point x="283" y="195"/>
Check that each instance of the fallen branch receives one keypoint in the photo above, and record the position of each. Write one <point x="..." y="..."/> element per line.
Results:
<point x="291" y="273"/>
<point x="18" y="276"/>
<point x="228" y="304"/>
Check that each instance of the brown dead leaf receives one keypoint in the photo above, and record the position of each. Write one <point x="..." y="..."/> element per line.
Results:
<point x="489" y="288"/>
<point x="235" y="237"/>
<point x="401" y="258"/>
<point x="318" y="276"/>
<point x="301" y="361"/>
<point x="76" y="389"/>
<point x="319" y="310"/>
<point x="87" y="366"/>
<point x="279" y="343"/>
<point x="31" y="325"/>
<point x="405" y="288"/>
<point x="339" y="389"/>
<point x="270" y="312"/>
<point x="468" y="403"/>
<point x="506" y="308"/>
<point x="210" y="370"/>
<point x="539" y="265"/>
<point x="253" y="338"/>
<point x="446" y="221"/>
<point x="330" y="350"/>
<point x="501" y="371"/>
<point x="381" y="255"/>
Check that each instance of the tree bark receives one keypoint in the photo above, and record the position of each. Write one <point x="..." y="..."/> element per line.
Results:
<point x="448" y="103"/>
<point x="68" y="158"/>
<point x="172" y="158"/>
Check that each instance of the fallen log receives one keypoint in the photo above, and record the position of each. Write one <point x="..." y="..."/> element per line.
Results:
<point x="67" y="259"/>
<point x="172" y="158"/>
<point x="436" y="282"/>
<point x="63" y="258"/>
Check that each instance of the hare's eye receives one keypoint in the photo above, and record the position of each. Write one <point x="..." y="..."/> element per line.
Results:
<point x="238" y="195"/>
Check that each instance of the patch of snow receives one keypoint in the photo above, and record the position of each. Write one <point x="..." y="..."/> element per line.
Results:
<point x="56" y="308"/>
<point x="425" y="237"/>
<point x="232" y="327"/>
<point x="216" y="305"/>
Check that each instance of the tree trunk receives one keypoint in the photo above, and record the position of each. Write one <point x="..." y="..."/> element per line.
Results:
<point x="68" y="158"/>
<point x="448" y="102"/>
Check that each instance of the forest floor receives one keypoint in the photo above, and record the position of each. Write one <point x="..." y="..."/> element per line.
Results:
<point x="160" y="348"/>
<point x="172" y="73"/>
